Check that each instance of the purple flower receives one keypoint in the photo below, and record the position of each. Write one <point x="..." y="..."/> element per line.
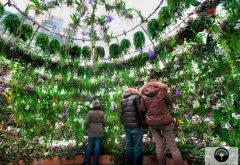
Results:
<point x="84" y="33"/>
<point x="114" y="107"/>
<point x="140" y="50"/>
<point x="178" y="93"/>
<point x="5" y="68"/>
<point x="151" y="54"/>
<point x="64" y="113"/>
<point x="43" y="1"/>
<point x="2" y="88"/>
<point x="90" y="2"/>
<point x="100" y="2"/>
<point x="109" y="19"/>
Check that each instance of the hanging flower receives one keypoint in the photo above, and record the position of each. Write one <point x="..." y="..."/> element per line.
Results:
<point x="109" y="19"/>
<point x="90" y="2"/>
<point x="84" y="33"/>
<point x="178" y="93"/>
<point x="114" y="107"/>
<point x="2" y="88"/>
<point x="100" y="2"/>
<point x="151" y="54"/>
<point x="64" y="113"/>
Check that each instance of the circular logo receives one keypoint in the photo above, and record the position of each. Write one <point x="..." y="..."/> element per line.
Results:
<point x="221" y="154"/>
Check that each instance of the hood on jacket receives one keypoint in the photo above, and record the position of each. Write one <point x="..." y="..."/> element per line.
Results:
<point x="130" y="91"/>
<point x="150" y="89"/>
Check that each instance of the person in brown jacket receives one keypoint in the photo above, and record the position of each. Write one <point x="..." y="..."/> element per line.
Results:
<point x="94" y="123"/>
<point x="155" y="101"/>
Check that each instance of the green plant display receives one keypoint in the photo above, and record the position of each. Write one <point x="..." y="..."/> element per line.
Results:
<point x="139" y="39"/>
<point x="26" y="32"/>
<point x="54" y="46"/>
<point x="154" y="28"/>
<point x="75" y="51"/>
<point x="12" y="24"/>
<point x="44" y="102"/>
<point x="100" y="52"/>
<point x="86" y="52"/>
<point x="125" y="44"/>
<point x="114" y="50"/>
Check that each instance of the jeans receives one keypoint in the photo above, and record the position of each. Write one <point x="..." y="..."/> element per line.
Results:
<point x="93" y="143"/>
<point x="134" y="145"/>
<point x="170" y="140"/>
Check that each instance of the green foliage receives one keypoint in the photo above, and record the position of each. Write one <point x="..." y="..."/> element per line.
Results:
<point x="75" y="51"/>
<point x="1" y="9"/>
<point x="86" y="52"/>
<point x="154" y="28"/>
<point x="139" y="39"/>
<point x="54" y="46"/>
<point x="26" y="32"/>
<point x="125" y="45"/>
<point x="114" y="50"/>
<point x="42" y="40"/>
<point x="100" y="52"/>
<point x="12" y="24"/>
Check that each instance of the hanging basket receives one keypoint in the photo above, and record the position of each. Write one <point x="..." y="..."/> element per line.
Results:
<point x="212" y="11"/>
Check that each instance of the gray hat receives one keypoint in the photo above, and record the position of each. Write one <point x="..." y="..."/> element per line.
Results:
<point x="96" y="105"/>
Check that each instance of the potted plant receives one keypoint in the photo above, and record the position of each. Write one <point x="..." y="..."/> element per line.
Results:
<point x="42" y="41"/>
<point x="26" y="32"/>
<point x="86" y="52"/>
<point x="54" y="46"/>
<point x="139" y="39"/>
<point x="12" y="24"/>
<point x="154" y="28"/>
<point x="100" y="52"/>
<point x="125" y="45"/>
<point x="75" y="51"/>
<point x="114" y="50"/>
<point x="211" y="10"/>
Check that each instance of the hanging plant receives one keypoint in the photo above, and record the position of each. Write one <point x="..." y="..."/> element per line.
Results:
<point x="100" y="52"/>
<point x="154" y="28"/>
<point x="75" y="51"/>
<point x="12" y="23"/>
<point x="86" y="52"/>
<point x="114" y="50"/>
<point x="125" y="45"/>
<point x="26" y="32"/>
<point x="139" y="39"/>
<point x="1" y="9"/>
<point x="54" y="46"/>
<point x="42" y="41"/>
<point x="164" y="16"/>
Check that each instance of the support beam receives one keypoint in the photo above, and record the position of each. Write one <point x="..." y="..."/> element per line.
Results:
<point x="34" y="35"/>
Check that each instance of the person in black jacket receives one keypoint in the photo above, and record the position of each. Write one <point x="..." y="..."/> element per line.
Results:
<point x="132" y="118"/>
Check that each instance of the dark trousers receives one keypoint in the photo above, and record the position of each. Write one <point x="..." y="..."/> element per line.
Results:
<point x="134" y="146"/>
<point x="93" y="143"/>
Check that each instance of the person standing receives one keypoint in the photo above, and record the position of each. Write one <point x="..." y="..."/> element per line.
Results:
<point x="155" y="102"/>
<point x="94" y="123"/>
<point x="132" y="118"/>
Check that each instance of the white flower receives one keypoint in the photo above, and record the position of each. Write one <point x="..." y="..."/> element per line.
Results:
<point x="196" y="104"/>
<point x="236" y="116"/>
<point x="227" y="126"/>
